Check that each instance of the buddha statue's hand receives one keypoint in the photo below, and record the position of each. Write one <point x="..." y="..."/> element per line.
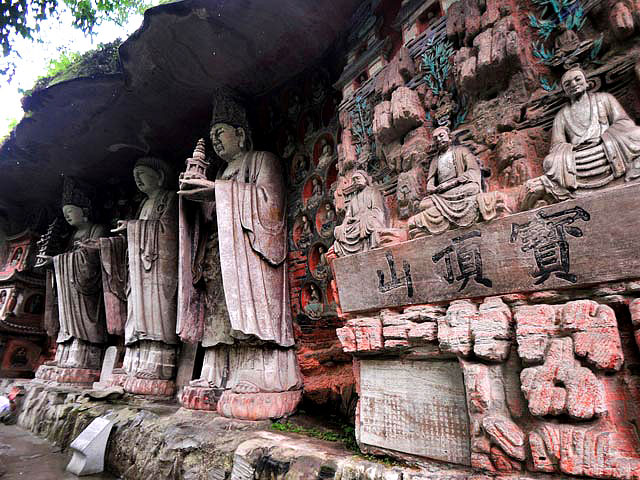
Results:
<point x="44" y="260"/>
<point x="196" y="189"/>
<point x="120" y="227"/>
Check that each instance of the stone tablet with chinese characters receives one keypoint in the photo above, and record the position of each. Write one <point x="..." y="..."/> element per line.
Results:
<point x="416" y="407"/>
<point x="593" y="239"/>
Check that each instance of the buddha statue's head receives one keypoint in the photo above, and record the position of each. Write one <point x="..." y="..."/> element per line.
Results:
<point x="442" y="138"/>
<point x="151" y="175"/>
<point x="359" y="180"/>
<point x="574" y="83"/>
<point x="76" y="202"/>
<point x="230" y="133"/>
<point x="76" y="215"/>
<point x="228" y="141"/>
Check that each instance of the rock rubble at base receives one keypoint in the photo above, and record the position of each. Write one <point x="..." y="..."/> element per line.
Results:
<point x="160" y="440"/>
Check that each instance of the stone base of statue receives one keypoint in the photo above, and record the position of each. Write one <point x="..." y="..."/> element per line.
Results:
<point x="45" y="372"/>
<point x="258" y="406"/>
<point x="200" y="398"/>
<point x="77" y="376"/>
<point x="117" y="378"/>
<point x="149" y="386"/>
<point x="69" y="376"/>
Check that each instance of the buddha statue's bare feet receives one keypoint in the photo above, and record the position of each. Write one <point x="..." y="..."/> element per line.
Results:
<point x="200" y="383"/>
<point x="245" y="387"/>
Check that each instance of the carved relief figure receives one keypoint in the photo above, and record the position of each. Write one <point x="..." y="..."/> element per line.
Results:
<point x="79" y="286"/>
<point x="316" y="193"/>
<point x="290" y="146"/>
<point x="326" y="154"/>
<point x="365" y="215"/>
<point x="593" y="142"/>
<point x="306" y="235"/>
<point x="301" y="166"/>
<point x="152" y="249"/>
<point x="322" y="270"/>
<point x="453" y="183"/>
<point x="314" y="305"/>
<point x="329" y="221"/>
<point x="250" y="354"/>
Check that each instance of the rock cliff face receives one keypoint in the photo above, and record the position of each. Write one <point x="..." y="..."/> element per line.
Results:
<point x="152" y="440"/>
<point x="490" y="71"/>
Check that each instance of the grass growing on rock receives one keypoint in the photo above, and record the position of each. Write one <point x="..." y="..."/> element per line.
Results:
<point x="341" y="433"/>
<point x="102" y="60"/>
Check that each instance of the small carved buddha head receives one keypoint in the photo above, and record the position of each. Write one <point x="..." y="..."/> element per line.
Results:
<point x="151" y="175"/>
<point x="442" y="138"/>
<point x="574" y="83"/>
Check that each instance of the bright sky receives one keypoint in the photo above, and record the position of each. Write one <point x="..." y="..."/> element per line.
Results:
<point x="57" y="35"/>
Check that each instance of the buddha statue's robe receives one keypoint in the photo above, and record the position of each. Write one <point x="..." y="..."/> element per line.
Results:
<point x="591" y="154"/>
<point x="365" y="216"/>
<point x="152" y="251"/>
<point x="457" y="206"/>
<point x="249" y="338"/>
<point x="78" y="278"/>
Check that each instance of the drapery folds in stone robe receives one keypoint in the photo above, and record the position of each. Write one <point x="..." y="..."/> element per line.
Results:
<point x="244" y="239"/>
<point x="80" y="307"/>
<point x="152" y="261"/>
<point x="152" y="243"/>
<point x="250" y="363"/>
<point x="253" y="249"/>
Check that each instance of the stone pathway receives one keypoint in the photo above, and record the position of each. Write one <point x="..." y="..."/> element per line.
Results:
<point x="25" y="456"/>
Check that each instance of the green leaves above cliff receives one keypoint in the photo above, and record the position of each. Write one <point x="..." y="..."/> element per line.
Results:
<point x="22" y="18"/>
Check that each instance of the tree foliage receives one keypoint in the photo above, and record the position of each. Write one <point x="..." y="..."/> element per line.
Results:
<point x="22" y="18"/>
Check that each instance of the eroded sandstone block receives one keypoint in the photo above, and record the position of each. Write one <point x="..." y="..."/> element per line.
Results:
<point x="454" y="329"/>
<point x="492" y="332"/>
<point x="383" y="128"/>
<point x="595" y="333"/>
<point x="535" y="324"/>
<point x="361" y="334"/>
<point x="562" y="385"/>
<point x="407" y="110"/>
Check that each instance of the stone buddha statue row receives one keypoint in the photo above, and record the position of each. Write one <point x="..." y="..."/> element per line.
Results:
<point x="232" y="235"/>
<point x="594" y="144"/>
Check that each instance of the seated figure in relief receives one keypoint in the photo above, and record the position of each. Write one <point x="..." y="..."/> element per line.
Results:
<point x="365" y="217"/>
<point x="326" y="154"/>
<point x="593" y="142"/>
<point x="152" y="250"/>
<point x="453" y="185"/>
<point x="78" y="278"/>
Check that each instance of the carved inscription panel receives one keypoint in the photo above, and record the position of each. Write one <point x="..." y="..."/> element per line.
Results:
<point x="588" y="240"/>
<point x="416" y="407"/>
